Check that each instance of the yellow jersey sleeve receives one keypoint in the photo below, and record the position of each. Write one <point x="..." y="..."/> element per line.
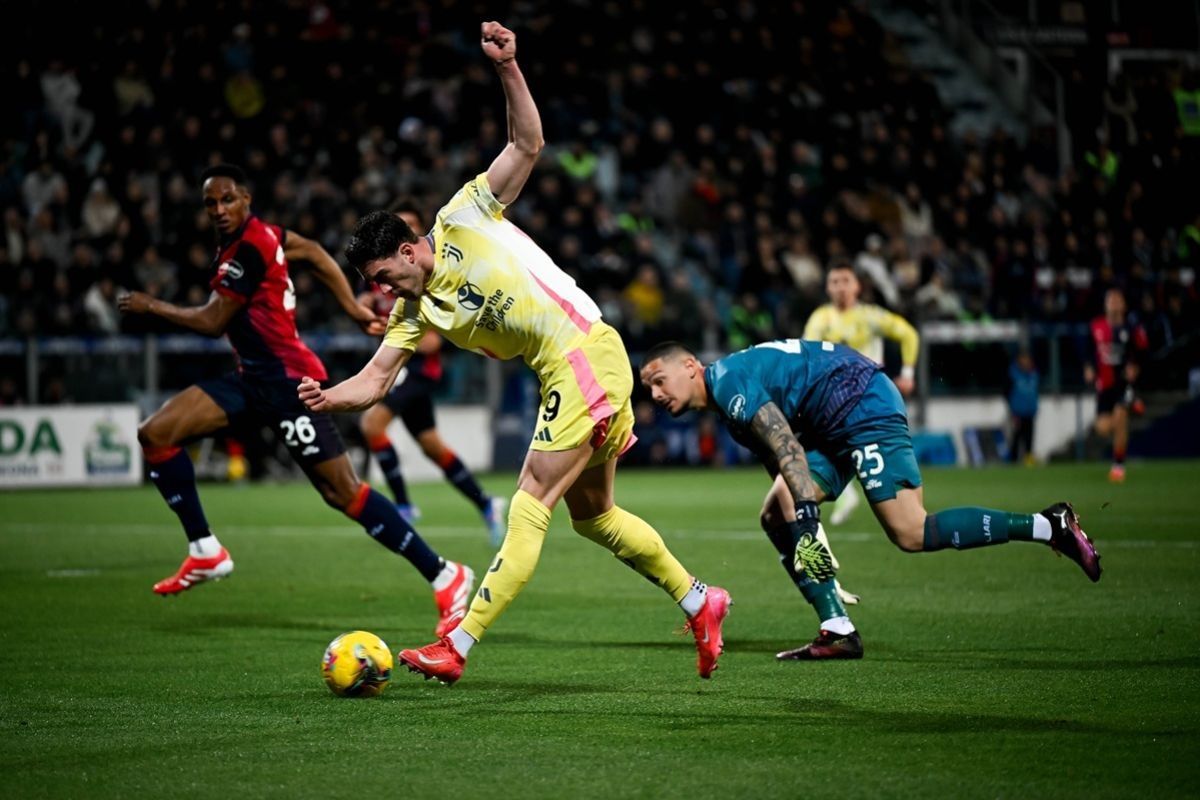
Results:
<point x="406" y="326"/>
<point x="471" y="203"/>
<point x="899" y="330"/>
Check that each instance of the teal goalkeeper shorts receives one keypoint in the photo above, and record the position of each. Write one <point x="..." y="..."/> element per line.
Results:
<point x="872" y="444"/>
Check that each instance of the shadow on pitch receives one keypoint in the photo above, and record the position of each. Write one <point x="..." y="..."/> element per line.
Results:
<point x="904" y="721"/>
<point x="974" y="659"/>
<point x="210" y="622"/>
<point x="667" y="642"/>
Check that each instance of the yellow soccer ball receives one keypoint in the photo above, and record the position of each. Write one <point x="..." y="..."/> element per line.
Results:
<point x="357" y="664"/>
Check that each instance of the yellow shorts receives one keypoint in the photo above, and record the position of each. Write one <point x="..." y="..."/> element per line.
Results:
<point x="586" y="399"/>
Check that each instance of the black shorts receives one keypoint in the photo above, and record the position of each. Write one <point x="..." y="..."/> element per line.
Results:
<point x="1110" y="398"/>
<point x="311" y="438"/>
<point x="412" y="402"/>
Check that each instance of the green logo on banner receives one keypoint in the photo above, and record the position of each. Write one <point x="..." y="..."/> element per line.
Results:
<point x="105" y="452"/>
<point x="12" y="438"/>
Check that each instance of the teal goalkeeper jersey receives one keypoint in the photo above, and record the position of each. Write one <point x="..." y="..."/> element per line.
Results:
<point x="815" y="385"/>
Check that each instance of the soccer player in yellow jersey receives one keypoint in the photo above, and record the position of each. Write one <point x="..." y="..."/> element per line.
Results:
<point x="485" y="286"/>
<point x="862" y="326"/>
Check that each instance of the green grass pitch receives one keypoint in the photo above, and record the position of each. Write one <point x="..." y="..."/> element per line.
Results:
<point x="997" y="673"/>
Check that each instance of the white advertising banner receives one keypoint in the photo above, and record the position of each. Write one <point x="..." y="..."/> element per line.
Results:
<point x="69" y="446"/>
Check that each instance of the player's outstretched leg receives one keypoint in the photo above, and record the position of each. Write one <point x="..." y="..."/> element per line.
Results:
<point x="389" y="462"/>
<point x="189" y="414"/>
<point x="844" y="506"/>
<point x="172" y="473"/>
<point x="595" y="516"/>
<point x="374" y="424"/>
<point x="633" y="541"/>
<point x="460" y="477"/>
<point x="914" y="530"/>
<point x="513" y="566"/>
<point x="809" y="564"/>
<point x="1116" y="473"/>
<point x="340" y="488"/>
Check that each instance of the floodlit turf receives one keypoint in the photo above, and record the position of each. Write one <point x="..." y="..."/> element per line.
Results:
<point x="994" y="673"/>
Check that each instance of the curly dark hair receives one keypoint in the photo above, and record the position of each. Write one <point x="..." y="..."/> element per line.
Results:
<point x="378" y="235"/>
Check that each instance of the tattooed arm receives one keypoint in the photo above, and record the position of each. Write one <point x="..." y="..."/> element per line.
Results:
<point x="773" y="430"/>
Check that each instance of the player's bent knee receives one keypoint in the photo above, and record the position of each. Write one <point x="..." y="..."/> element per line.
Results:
<point x="909" y="538"/>
<point x="151" y="433"/>
<point x="341" y="498"/>
<point x="772" y="514"/>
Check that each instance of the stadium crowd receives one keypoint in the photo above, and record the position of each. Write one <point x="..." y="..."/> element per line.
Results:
<point x="705" y="165"/>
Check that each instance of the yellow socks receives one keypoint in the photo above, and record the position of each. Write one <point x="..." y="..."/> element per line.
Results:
<point x="528" y="521"/>
<point x="632" y="540"/>
<point x="626" y="536"/>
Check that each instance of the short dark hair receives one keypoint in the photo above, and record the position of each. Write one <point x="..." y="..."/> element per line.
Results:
<point x="665" y="350"/>
<point x="231" y="171"/>
<point x="841" y="263"/>
<point x="377" y="235"/>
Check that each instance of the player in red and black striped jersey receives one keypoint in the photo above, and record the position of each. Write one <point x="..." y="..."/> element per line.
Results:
<point x="1118" y="343"/>
<point x="411" y="399"/>
<point x="252" y="302"/>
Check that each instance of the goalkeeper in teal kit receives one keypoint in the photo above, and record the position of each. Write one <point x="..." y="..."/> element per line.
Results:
<point x="817" y="415"/>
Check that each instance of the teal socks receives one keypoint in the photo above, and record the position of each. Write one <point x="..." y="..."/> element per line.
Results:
<point x="970" y="526"/>
<point x="821" y="596"/>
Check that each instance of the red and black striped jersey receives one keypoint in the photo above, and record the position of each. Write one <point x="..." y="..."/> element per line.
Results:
<point x="250" y="268"/>
<point x="1116" y="346"/>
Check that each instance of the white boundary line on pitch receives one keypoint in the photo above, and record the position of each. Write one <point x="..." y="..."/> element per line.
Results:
<point x="469" y="532"/>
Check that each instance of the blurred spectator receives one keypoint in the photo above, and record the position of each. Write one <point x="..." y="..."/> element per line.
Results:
<point x="14" y="235"/>
<point x="749" y="324"/>
<point x="803" y="267"/>
<point x="1022" y="396"/>
<point x="916" y="216"/>
<point x="100" y="305"/>
<point x="644" y="296"/>
<point x="62" y="89"/>
<point x="158" y="276"/>
<point x="100" y="212"/>
<point x="9" y="396"/>
<point x="1120" y="106"/>
<point x="872" y="266"/>
<point x="936" y="300"/>
<point x="41" y="187"/>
